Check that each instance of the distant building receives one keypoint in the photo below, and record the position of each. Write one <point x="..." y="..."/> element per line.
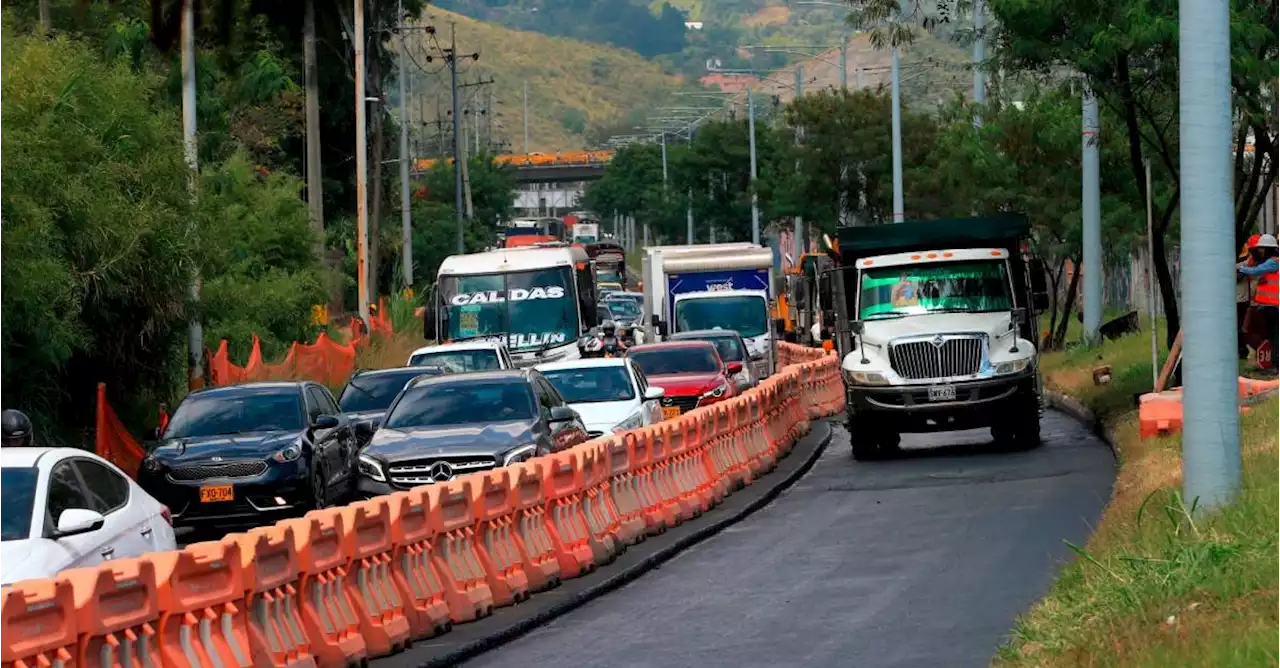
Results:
<point x="729" y="83"/>
<point x="693" y="25"/>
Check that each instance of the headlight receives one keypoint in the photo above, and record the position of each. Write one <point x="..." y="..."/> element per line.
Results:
<point x="1015" y="366"/>
<point x="150" y="463"/>
<point x="520" y="454"/>
<point x="370" y="468"/>
<point x="633" y="421"/>
<point x="866" y="377"/>
<point x="717" y="392"/>
<point x="288" y="454"/>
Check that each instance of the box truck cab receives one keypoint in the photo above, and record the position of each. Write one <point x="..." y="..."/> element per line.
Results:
<point x="541" y="298"/>
<point x="720" y="286"/>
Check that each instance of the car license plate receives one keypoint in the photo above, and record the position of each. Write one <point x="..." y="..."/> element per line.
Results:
<point x="215" y="493"/>
<point x="942" y="393"/>
<point x="669" y="412"/>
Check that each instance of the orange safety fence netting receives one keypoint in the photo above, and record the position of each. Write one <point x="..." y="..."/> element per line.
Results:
<point x="112" y="441"/>
<point x="324" y="361"/>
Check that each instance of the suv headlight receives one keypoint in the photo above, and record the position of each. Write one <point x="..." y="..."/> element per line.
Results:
<point x="866" y="377"/>
<point x="520" y="454"/>
<point x="633" y="421"/>
<point x="717" y="392"/>
<point x="288" y="453"/>
<point x="1012" y="366"/>
<point x="371" y="468"/>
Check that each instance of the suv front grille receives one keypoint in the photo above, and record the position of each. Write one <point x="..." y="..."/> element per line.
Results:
<point x="685" y="404"/>
<point x="408" y="474"/>
<point x="247" y="469"/>
<point x="940" y="357"/>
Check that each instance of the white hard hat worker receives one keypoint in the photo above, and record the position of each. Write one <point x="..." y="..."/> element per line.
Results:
<point x="1266" y="241"/>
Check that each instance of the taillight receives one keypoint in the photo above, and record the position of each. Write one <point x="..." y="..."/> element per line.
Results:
<point x="166" y="514"/>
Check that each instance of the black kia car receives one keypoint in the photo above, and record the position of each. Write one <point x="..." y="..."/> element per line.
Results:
<point x="248" y="454"/>
<point x="368" y="394"/>
<point x="444" y="426"/>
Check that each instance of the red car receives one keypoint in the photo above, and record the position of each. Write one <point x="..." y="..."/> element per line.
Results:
<point x="690" y="372"/>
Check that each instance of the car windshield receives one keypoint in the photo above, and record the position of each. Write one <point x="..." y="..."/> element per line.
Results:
<point x="17" y="495"/>
<point x="676" y="359"/>
<point x="374" y="392"/>
<point x="447" y="404"/>
<point x="623" y="309"/>
<point x="459" y="361"/>
<point x="746" y="315"/>
<point x="729" y="347"/>
<point x="533" y="308"/>
<point x="950" y="287"/>
<point x="237" y="411"/>
<point x="592" y="384"/>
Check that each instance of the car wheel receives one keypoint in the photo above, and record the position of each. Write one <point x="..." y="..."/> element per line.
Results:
<point x="318" y="500"/>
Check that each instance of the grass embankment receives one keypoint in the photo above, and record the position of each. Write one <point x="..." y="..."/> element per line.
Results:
<point x="1155" y="585"/>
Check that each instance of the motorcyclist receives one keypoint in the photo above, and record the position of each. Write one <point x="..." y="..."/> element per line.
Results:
<point x="17" y="429"/>
<point x="609" y="337"/>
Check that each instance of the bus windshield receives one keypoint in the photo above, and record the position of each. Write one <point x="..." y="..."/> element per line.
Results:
<point x="945" y="287"/>
<point x="533" y="308"/>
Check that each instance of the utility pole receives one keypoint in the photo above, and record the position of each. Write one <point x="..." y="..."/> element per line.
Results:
<point x="1211" y="426"/>
<point x="663" y="137"/>
<point x="525" y="117"/>
<point x="979" y="55"/>
<point x="898" y="207"/>
<point x="689" y="219"/>
<point x="751" y="140"/>
<point x="844" y="62"/>
<point x="457" y="134"/>
<point x="1091" y="208"/>
<point x="315" y="189"/>
<point x="464" y="169"/>
<point x="46" y="23"/>
<point x="362" y="171"/>
<point x="195" y="329"/>
<point x="406" y="215"/>
<point x="797" y="231"/>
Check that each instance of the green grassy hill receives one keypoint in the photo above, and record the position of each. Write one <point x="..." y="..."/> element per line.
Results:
<point x="575" y="88"/>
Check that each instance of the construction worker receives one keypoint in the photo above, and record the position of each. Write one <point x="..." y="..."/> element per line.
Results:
<point x="1266" y="294"/>
<point x="1244" y="295"/>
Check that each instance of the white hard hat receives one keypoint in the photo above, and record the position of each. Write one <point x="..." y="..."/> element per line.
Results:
<point x="1267" y="241"/>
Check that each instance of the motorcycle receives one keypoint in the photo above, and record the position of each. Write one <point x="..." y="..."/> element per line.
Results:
<point x="602" y="342"/>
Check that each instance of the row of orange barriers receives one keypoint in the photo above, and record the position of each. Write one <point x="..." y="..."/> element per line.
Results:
<point x="1160" y="413"/>
<point x="339" y="586"/>
<point x="324" y="361"/>
<point x="537" y="159"/>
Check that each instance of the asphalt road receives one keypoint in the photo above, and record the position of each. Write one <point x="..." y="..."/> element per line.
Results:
<point x="924" y="560"/>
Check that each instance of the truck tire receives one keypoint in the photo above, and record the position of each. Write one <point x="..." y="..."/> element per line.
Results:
<point x="1021" y="430"/>
<point x="871" y="439"/>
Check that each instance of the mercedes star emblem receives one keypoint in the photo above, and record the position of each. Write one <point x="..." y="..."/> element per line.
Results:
<point x="215" y="458"/>
<point x="938" y="341"/>
<point x="441" y="471"/>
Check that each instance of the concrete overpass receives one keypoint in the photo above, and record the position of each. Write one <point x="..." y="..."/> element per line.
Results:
<point x="563" y="167"/>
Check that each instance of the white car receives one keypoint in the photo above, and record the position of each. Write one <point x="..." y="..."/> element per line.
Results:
<point x="464" y="356"/>
<point x="611" y="394"/>
<point x="67" y="508"/>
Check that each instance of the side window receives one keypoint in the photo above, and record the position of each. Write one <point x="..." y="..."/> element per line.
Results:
<point x="542" y="390"/>
<point x="313" y="405"/>
<point x="108" y="490"/>
<point x="586" y="276"/>
<point x="65" y="493"/>
<point x="325" y="400"/>
<point x="641" y="381"/>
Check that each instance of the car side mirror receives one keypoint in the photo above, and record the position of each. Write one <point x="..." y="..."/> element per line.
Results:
<point x="562" y="414"/>
<point x="75" y="521"/>
<point x="662" y="328"/>
<point x="856" y="327"/>
<point x="327" y="421"/>
<point x="734" y="368"/>
<point x="654" y="393"/>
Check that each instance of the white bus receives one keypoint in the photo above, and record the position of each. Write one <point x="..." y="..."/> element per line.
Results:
<point x="542" y="298"/>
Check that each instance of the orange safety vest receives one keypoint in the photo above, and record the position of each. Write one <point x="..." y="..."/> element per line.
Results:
<point x="1267" y="291"/>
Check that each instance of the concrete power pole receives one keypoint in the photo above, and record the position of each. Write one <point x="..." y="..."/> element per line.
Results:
<point x="979" y="55"/>
<point x="362" y="170"/>
<point x="406" y="214"/>
<point x="525" y="117"/>
<point x="797" y="233"/>
<point x="896" y="95"/>
<point x="311" y="82"/>
<point x="457" y="136"/>
<point x="195" y="330"/>
<point x="844" y="62"/>
<point x="1211" y="427"/>
<point x="689" y="219"/>
<point x="1091" y="208"/>
<point x="751" y="141"/>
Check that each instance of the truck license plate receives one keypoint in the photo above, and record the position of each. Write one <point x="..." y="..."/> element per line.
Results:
<point x="942" y="393"/>
<point x="215" y="493"/>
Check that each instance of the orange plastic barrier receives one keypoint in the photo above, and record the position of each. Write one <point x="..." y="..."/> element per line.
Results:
<point x="466" y="589"/>
<point x="1160" y="413"/>
<point x="39" y="624"/>
<point x="200" y="591"/>
<point x="413" y="533"/>
<point x="111" y="441"/>
<point x="338" y="586"/>
<point x="366" y="543"/>
<point x="269" y="566"/>
<point x="117" y="613"/>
